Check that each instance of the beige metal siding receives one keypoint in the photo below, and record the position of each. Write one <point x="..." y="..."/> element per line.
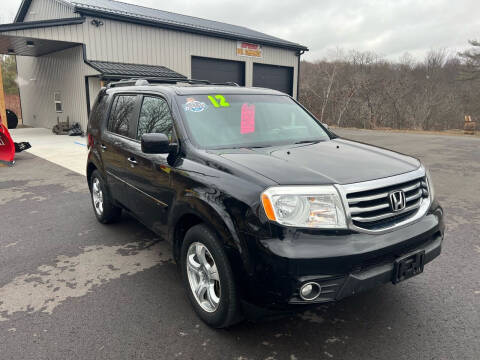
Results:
<point x="41" y="77"/>
<point x="130" y="43"/>
<point x="93" y="89"/>
<point x="49" y="9"/>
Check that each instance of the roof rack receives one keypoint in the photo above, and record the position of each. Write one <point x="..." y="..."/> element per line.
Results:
<point x="159" y="80"/>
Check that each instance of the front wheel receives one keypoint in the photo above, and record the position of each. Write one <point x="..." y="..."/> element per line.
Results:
<point x="208" y="278"/>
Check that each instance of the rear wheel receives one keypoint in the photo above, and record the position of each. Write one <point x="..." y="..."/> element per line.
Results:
<point x="208" y="278"/>
<point x="103" y="206"/>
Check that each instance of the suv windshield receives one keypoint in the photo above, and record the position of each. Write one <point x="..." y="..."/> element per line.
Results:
<point x="229" y="121"/>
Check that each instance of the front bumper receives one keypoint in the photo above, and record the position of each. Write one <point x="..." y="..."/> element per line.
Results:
<point x="372" y="277"/>
<point x="342" y="263"/>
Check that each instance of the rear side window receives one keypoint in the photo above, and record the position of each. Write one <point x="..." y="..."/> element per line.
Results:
<point x="155" y="117"/>
<point x="99" y="110"/>
<point x="123" y="110"/>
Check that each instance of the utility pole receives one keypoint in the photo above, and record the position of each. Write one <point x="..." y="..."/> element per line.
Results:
<point x="3" y="112"/>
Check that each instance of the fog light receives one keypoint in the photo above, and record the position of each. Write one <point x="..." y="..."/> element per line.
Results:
<point x="310" y="291"/>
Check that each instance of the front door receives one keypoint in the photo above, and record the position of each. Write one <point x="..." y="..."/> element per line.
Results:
<point x="148" y="175"/>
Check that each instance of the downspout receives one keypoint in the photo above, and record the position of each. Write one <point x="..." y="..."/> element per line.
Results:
<point x="299" y="53"/>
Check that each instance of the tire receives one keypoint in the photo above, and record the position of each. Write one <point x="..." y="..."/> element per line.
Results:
<point x="227" y="311"/>
<point x="102" y="203"/>
<point x="12" y="119"/>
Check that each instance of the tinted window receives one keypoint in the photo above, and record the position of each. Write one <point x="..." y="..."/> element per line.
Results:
<point x="224" y="121"/>
<point x="155" y="117"/>
<point x="99" y="109"/>
<point x="122" y="112"/>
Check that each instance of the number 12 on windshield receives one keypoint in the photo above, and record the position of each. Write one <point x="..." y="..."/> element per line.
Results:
<point x="218" y="101"/>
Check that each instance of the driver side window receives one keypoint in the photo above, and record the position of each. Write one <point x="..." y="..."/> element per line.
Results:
<point x="155" y="117"/>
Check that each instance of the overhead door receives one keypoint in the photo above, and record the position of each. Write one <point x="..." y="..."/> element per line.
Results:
<point x="273" y="77"/>
<point x="218" y="71"/>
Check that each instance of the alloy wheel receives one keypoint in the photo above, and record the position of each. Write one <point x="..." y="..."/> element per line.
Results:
<point x="97" y="196"/>
<point x="203" y="277"/>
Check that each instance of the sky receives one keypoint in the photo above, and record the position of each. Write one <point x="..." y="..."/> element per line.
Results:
<point x="389" y="28"/>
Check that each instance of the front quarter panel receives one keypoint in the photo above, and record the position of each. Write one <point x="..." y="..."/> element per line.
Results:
<point x="227" y="203"/>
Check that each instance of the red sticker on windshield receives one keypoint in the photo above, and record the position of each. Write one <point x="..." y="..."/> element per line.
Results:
<point x="247" y="124"/>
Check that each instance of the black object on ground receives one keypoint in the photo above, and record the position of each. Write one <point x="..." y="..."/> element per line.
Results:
<point x="75" y="130"/>
<point x="12" y="119"/>
<point x="19" y="147"/>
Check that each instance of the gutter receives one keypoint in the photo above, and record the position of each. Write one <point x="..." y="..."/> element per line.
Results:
<point x="299" y="53"/>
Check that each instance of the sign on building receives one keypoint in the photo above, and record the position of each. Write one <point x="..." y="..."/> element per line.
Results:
<point x="248" y="49"/>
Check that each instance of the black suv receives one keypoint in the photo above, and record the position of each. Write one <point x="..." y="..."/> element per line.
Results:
<point x="263" y="205"/>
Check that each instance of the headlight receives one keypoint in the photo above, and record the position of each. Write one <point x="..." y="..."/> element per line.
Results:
<point x="305" y="206"/>
<point x="430" y="184"/>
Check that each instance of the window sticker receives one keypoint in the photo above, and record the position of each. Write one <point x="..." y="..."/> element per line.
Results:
<point x="194" y="105"/>
<point x="247" y="123"/>
<point x="218" y="101"/>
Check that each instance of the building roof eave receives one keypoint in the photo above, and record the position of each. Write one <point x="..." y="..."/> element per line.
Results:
<point x="22" y="10"/>
<point x="25" y="5"/>
<point x="41" y="24"/>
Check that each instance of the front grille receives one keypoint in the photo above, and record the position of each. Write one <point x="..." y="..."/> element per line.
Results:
<point x="371" y="209"/>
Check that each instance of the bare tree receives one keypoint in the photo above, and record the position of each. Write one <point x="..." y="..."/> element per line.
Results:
<point x="361" y="89"/>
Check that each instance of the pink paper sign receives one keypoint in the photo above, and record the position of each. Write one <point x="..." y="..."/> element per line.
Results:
<point x="247" y="124"/>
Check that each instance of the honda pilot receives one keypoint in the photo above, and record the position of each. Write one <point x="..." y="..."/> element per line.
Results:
<point x="264" y="206"/>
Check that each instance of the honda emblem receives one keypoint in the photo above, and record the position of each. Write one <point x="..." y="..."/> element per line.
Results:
<point x="397" y="200"/>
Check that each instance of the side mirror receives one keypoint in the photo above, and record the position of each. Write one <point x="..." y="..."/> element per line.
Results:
<point x="155" y="144"/>
<point x="325" y="126"/>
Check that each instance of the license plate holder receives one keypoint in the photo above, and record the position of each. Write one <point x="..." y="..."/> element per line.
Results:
<point x="408" y="266"/>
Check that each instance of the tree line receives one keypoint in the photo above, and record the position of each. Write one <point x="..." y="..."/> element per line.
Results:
<point x="364" y="90"/>
<point x="9" y="74"/>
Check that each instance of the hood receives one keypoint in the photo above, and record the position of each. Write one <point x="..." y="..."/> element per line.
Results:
<point x="336" y="161"/>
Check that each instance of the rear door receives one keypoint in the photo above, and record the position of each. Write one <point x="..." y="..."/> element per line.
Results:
<point x="148" y="175"/>
<point x="116" y="141"/>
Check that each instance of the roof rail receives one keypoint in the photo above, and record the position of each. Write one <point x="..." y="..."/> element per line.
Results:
<point x="123" y="82"/>
<point x="228" y="83"/>
<point x="158" y="80"/>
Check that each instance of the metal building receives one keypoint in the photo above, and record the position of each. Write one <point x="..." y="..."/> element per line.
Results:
<point x="66" y="48"/>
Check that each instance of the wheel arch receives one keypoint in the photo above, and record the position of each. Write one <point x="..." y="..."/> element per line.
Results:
<point x="91" y="167"/>
<point x="186" y="215"/>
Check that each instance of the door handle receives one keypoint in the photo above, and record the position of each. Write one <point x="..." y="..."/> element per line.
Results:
<point x="132" y="161"/>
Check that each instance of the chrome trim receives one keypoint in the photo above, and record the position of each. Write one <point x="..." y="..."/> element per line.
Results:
<point x="355" y="200"/>
<point x="423" y="206"/>
<point x="161" y="203"/>
<point x="385" y="216"/>
<point x="415" y="196"/>
<point x="356" y="210"/>
<point x="413" y="187"/>
<point x="367" y="198"/>
<point x="384" y="182"/>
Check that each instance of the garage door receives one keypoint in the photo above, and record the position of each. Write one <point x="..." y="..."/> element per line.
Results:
<point x="273" y="77"/>
<point x="218" y="71"/>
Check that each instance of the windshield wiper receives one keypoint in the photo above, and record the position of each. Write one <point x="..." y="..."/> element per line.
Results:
<point x="307" y="142"/>
<point x="258" y="146"/>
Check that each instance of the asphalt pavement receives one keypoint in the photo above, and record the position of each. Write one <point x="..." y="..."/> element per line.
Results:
<point x="71" y="288"/>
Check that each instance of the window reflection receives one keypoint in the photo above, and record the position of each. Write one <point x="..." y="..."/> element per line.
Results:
<point x="155" y="117"/>
<point x="123" y="110"/>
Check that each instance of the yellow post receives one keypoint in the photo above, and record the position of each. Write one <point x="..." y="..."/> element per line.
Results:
<point x="3" y="111"/>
